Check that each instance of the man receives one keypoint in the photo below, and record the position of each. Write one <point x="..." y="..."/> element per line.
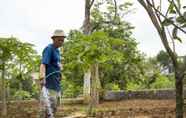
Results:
<point x="50" y="75"/>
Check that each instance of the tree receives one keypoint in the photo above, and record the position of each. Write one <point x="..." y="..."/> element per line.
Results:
<point x="172" y="18"/>
<point x="86" y="24"/>
<point x="87" y="31"/>
<point x="16" y="58"/>
<point x="163" y="58"/>
<point x="164" y="61"/>
<point x="107" y="16"/>
<point x="7" y="46"/>
<point x="84" y="51"/>
<point x="110" y="22"/>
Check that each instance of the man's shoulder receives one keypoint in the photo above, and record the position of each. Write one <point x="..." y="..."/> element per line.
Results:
<point x="48" y="47"/>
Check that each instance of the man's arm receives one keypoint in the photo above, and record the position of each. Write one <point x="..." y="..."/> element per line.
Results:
<point x="42" y="73"/>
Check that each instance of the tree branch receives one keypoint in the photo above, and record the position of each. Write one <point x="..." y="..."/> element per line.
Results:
<point x="115" y="4"/>
<point x="142" y="2"/>
<point x="166" y="18"/>
<point x="173" y="43"/>
<point x="91" y="3"/>
<point x="167" y="11"/>
<point x="160" y="5"/>
<point x="104" y="22"/>
<point x="177" y="9"/>
<point x="157" y="15"/>
<point x="160" y="30"/>
<point x="153" y="16"/>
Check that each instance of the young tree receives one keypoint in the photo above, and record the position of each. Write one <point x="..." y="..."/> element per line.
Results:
<point x="14" y="55"/>
<point x="7" y="47"/>
<point x="85" y="51"/>
<point x="166" y="19"/>
<point x="87" y="31"/>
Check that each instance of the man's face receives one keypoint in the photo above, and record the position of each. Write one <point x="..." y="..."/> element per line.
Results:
<point x="58" y="41"/>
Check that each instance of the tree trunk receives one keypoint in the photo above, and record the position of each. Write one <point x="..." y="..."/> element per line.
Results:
<point x="95" y="88"/>
<point x="155" y="18"/>
<point x="179" y="96"/>
<point x="96" y="84"/>
<point x="86" y="87"/>
<point x="87" y="74"/>
<point x="86" y="24"/>
<point x="184" y="97"/>
<point x="123" y="84"/>
<point x="4" y="110"/>
<point x="8" y="93"/>
<point x="88" y="79"/>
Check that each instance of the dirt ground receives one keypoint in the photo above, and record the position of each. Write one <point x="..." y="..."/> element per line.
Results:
<point x="140" y="108"/>
<point x="119" y="109"/>
<point x="134" y="109"/>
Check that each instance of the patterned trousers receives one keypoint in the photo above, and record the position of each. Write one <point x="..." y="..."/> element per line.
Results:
<point x="49" y="100"/>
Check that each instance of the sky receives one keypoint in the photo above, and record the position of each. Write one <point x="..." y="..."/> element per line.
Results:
<point x="34" y="21"/>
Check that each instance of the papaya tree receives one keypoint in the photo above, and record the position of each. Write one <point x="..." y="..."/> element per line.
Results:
<point x="109" y="21"/>
<point x="17" y="58"/>
<point x="7" y="47"/>
<point x="88" y="52"/>
<point x="87" y="31"/>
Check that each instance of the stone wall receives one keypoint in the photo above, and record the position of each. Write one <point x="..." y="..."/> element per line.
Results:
<point x="146" y="94"/>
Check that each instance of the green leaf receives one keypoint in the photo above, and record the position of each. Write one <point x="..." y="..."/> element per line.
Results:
<point x="184" y="25"/>
<point x="167" y="22"/>
<point x="180" y="20"/>
<point x="184" y="15"/>
<point x="179" y="39"/>
<point x="174" y="32"/>
<point x="179" y="4"/>
<point x="171" y="9"/>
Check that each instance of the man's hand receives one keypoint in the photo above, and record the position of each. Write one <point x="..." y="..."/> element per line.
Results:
<point x="42" y="81"/>
<point x="60" y="78"/>
<point x="42" y="74"/>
